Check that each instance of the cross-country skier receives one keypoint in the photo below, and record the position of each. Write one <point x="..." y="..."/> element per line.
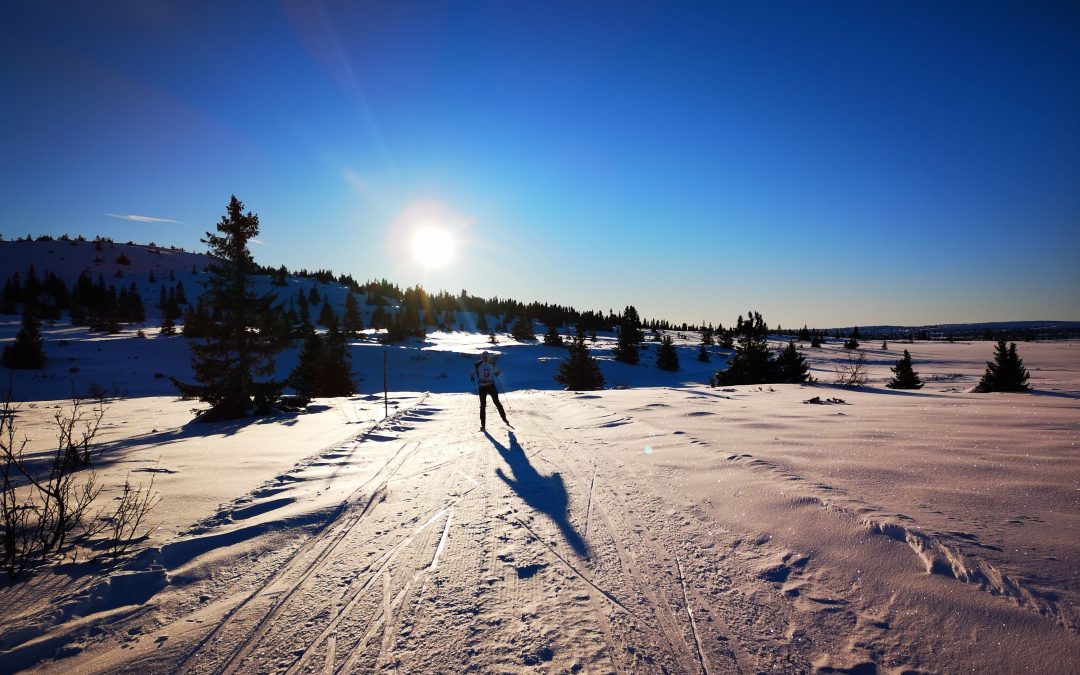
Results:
<point x="485" y="372"/>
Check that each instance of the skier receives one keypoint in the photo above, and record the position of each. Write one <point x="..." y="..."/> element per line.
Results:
<point x="485" y="372"/>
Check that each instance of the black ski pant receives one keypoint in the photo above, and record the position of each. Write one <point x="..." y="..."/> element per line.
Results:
<point x="485" y="391"/>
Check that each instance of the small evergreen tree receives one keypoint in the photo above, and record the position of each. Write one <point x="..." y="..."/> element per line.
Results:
<point x="327" y="316"/>
<point x="27" y="351"/>
<point x="791" y="366"/>
<point x="815" y="341"/>
<point x="751" y="364"/>
<point x="851" y="343"/>
<point x="1006" y="372"/>
<point x="904" y="376"/>
<point x="552" y="337"/>
<point x="351" y="323"/>
<point x="804" y="334"/>
<point x="626" y="347"/>
<point x="666" y="356"/>
<point x="522" y="330"/>
<point x="703" y="354"/>
<point x="580" y="371"/>
<point x="303" y="378"/>
<point x="885" y="345"/>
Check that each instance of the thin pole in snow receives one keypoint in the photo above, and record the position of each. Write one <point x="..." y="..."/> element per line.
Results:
<point x="385" y="397"/>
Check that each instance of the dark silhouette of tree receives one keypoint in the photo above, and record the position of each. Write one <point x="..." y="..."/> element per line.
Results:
<point x="815" y="341"/>
<point x="1006" y="372"/>
<point x="626" y="348"/>
<point x="904" y="376"/>
<point x="580" y="371"/>
<point x="804" y="334"/>
<point x="791" y="365"/>
<point x="327" y="316"/>
<point x="751" y="363"/>
<point x="666" y="356"/>
<point x="351" y="323"/>
<point x="552" y="337"/>
<point x="703" y="354"/>
<point x="522" y="330"/>
<point x="323" y="368"/>
<point x="27" y="351"/>
<point x="851" y="343"/>
<point x="243" y="335"/>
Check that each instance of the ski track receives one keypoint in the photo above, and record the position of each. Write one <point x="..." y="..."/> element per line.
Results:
<point x="546" y="546"/>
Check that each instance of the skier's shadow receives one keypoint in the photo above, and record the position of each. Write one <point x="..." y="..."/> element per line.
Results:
<point x="546" y="494"/>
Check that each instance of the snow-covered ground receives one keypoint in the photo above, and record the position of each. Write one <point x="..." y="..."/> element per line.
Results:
<point x="664" y="527"/>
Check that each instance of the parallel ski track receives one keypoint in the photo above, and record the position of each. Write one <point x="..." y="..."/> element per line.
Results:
<point x="330" y="543"/>
<point x="389" y="604"/>
<point x="376" y="570"/>
<point x="666" y="616"/>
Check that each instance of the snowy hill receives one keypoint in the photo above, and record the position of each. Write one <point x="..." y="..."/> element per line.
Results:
<point x="127" y="364"/>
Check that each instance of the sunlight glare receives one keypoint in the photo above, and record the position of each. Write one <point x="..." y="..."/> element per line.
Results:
<point x="432" y="246"/>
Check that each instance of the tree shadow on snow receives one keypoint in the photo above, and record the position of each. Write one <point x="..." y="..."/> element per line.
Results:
<point x="546" y="494"/>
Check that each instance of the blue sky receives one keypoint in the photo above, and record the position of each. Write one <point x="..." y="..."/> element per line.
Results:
<point x="823" y="163"/>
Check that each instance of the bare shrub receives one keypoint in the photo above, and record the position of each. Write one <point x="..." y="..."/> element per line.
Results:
<point x="45" y="506"/>
<point x="852" y="371"/>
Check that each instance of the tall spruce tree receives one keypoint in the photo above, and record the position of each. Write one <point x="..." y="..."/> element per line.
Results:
<point x="27" y="351"/>
<point x="904" y="376"/>
<point x="233" y="363"/>
<point x="580" y="371"/>
<point x="666" y="356"/>
<point x="1006" y="372"/>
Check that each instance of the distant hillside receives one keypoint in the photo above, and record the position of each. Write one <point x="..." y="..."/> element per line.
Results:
<point x="992" y="330"/>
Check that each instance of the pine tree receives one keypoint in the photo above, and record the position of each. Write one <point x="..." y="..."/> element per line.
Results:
<point x="666" y="356"/>
<point x="552" y="337"/>
<point x="904" y="376"/>
<point x="1006" y="372"/>
<point x="851" y="343"/>
<point x="580" y="371"/>
<point x="243" y="335"/>
<point x="791" y="366"/>
<point x="626" y="348"/>
<point x="303" y="378"/>
<point x="815" y="341"/>
<point x="327" y="315"/>
<point x="522" y="330"/>
<point x="27" y="351"/>
<point x="751" y="364"/>
<point x="703" y="354"/>
<point x="804" y="334"/>
<point x="351" y="323"/>
<point x="336" y="376"/>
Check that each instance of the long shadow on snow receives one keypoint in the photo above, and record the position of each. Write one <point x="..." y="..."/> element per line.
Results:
<point x="546" y="494"/>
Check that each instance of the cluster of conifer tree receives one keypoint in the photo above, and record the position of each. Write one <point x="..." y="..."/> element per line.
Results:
<point x="753" y="363"/>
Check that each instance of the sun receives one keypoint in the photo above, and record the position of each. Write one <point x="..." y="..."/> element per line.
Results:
<point x="432" y="246"/>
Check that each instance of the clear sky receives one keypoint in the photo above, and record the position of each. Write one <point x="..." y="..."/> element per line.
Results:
<point x="822" y="163"/>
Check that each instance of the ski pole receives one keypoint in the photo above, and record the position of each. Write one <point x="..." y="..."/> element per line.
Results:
<point x="503" y="392"/>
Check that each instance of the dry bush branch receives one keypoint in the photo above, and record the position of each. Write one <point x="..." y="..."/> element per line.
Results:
<point x="853" y="370"/>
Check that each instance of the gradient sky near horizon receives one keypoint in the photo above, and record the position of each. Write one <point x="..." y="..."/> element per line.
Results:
<point x="832" y="164"/>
